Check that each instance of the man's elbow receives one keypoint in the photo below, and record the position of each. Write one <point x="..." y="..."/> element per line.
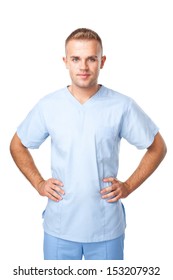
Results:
<point x="162" y="147"/>
<point x="164" y="150"/>
<point x="15" y="145"/>
<point x="159" y="146"/>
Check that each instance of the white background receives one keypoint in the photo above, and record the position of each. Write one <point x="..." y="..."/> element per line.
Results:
<point x="137" y="40"/>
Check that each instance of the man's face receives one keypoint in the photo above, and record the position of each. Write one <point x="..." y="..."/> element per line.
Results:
<point x="84" y="60"/>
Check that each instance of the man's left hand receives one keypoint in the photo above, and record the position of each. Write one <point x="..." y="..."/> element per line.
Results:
<point x="114" y="192"/>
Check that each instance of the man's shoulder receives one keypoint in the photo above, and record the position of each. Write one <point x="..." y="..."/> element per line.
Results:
<point x="114" y="95"/>
<point x="58" y="94"/>
<point x="52" y="100"/>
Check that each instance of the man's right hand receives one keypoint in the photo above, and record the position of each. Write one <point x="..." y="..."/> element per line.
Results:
<point x="51" y="188"/>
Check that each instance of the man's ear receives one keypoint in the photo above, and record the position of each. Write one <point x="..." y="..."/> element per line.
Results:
<point x="103" y="59"/>
<point x="65" y="61"/>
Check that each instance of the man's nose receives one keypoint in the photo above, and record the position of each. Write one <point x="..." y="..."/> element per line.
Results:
<point x="83" y="64"/>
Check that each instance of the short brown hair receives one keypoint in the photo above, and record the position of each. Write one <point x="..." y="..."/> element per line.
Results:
<point x="84" y="34"/>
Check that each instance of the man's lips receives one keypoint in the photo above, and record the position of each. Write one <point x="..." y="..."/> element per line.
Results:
<point x="85" y="75"/>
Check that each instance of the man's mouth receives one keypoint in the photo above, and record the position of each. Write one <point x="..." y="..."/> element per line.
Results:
<point x="84" y="75"/>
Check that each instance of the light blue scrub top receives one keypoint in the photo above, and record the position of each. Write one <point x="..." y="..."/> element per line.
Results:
<point x="85" y="141"/>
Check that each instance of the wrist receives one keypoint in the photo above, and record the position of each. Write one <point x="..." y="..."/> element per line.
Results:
<point x="39" y="185"/>
<point x="128" y="187"/>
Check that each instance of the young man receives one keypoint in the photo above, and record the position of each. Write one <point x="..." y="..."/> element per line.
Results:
<point x="84" y="216"/>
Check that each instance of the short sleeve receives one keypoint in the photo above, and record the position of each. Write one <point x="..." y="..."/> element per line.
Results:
<point x="137" y="127"/>
<point x="32" y="131"/>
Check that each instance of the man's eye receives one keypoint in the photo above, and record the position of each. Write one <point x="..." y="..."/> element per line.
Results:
<point x="75" y="59"/>
<point x="92" y="59"/>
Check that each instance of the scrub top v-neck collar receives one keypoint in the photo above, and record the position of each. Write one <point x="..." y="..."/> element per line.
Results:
<point x="87" y="102"/>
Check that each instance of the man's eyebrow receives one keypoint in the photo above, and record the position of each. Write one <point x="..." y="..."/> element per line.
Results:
<point x="92" y="56"/>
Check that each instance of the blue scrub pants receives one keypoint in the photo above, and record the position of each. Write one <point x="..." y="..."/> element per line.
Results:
<point x="60" y="249"/>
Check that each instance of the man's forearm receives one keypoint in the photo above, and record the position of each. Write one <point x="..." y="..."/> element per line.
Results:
<point x="25" y="162"/>
<point x="150" y="161"/>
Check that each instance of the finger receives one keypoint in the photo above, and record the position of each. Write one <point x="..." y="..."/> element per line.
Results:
<point x="107" y="190"/>
<point x="57" y="189"/>
<point x="54" y="195"/>
<point x="56" y="182"/>
<point x="114" y="199"/>
<point x="110" y="194"/>
<point x="111" y="188"/>
<point x="109" y="179"/>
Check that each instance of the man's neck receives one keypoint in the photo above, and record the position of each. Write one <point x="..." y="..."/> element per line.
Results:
<point x="83" y="94"/>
